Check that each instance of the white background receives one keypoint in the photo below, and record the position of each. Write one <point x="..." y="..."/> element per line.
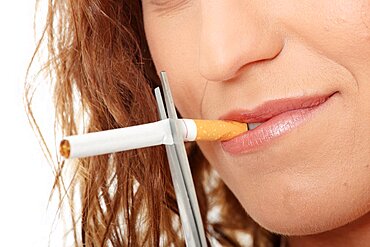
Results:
<point x="25" y="176"/>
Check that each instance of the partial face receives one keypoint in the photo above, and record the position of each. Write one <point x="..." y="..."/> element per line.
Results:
<point x="303" y="171"/>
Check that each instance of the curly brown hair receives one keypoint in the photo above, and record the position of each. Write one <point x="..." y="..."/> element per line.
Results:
<point x="103" y="78"/>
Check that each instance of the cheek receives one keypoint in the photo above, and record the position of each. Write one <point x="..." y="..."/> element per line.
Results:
<point x="179" y="58"/>
<point x="341" y="30"/>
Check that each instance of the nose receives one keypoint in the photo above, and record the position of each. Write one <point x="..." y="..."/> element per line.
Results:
<point x="233" y="35"/>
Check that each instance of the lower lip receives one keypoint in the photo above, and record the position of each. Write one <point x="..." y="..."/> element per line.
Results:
<point x="267" y="132"/>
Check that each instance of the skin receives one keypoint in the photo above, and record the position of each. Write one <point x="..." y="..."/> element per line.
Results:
<point x="312" y="184"/>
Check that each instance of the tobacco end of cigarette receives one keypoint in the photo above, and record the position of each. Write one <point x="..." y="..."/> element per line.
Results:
<point x="219" y="130"/>
<point x="65" y="148"/>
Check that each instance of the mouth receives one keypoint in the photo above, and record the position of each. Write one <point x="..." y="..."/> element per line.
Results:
<point x="270" y="121"/>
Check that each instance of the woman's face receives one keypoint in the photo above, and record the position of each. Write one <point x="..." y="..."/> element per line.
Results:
<point x="305" y="171"/>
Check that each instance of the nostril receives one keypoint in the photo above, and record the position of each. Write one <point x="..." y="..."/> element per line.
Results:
<point x="218" y="64"/>
<point x="215" y="72"/>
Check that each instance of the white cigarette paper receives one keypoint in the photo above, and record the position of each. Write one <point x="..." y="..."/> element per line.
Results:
<point x="147" y="135"/>
<point x="116" y="140"/>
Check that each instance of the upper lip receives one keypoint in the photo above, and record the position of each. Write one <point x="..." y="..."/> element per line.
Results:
<point x="273" y="108"/>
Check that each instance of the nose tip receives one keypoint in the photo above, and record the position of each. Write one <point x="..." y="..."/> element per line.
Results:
<point x="229" y="44"/>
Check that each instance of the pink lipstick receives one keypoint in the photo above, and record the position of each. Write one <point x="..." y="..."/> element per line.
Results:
<point x="273" y="119"/>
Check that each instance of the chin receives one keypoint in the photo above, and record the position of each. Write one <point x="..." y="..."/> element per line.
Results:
<point x="306" y="218"/>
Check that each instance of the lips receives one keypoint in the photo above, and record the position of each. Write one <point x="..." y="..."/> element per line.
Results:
<point x="273" y="108"/>
<point x="277" y="117"/>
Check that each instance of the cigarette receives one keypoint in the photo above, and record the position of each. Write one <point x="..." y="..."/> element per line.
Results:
<point x="211" y="130"/>
<point x="147" y="135"/>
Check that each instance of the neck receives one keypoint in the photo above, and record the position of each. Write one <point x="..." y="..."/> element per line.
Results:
<point x="356" y="233"/>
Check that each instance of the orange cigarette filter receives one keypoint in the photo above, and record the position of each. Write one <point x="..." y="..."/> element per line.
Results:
<point x="218" y="130"/>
